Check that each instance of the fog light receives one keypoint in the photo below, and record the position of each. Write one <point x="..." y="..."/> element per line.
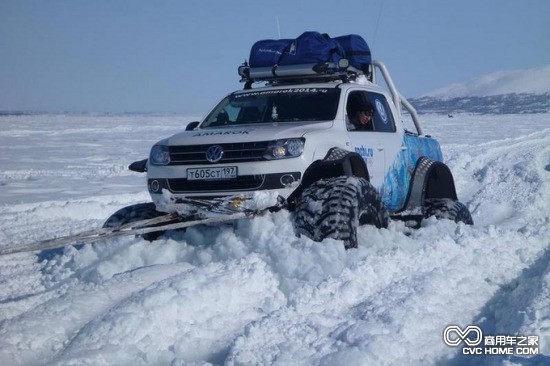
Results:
<point x="155" y="186"/>
<point x="287" y="180"/>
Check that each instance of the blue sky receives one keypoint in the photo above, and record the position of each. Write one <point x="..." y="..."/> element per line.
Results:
<point x="182" y="56"/>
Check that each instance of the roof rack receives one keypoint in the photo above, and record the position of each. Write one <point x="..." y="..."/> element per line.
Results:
<point x="304" y="73"/>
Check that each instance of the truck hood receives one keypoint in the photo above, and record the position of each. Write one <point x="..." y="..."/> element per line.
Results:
<point x="245" y="133"/>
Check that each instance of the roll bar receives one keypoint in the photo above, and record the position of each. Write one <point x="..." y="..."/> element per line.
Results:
<point x="398" y="99"/>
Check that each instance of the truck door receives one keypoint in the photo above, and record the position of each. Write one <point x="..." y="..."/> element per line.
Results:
<point x="376" y="141"/>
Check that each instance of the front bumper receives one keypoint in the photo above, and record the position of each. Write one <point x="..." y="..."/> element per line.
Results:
<point x="243" y="183"/>
<point x="206" y="197"/>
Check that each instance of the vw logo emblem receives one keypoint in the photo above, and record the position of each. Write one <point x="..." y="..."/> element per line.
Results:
<point x="214" y="153"/>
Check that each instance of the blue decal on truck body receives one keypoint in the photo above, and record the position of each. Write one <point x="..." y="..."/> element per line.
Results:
<point x="397" y="181"/>
<point x="365" y="152"/>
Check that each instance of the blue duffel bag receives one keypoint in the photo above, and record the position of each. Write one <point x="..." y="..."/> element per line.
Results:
<point x="312" y="48"/>
<point x="308" y="48"/>
<point x="267" y="52"/>
<point x="357" y="51"/>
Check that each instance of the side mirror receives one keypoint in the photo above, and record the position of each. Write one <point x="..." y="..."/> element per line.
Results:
<point x="191" y="126"/>
<point x="139" y="166"/>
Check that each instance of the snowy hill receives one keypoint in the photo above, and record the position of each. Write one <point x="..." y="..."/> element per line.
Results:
<point x="253" y="293"/>
<point x="502" y="92"/>
<point x="531" y="81"/>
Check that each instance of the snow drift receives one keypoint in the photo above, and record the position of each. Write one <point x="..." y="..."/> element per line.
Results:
<point x="253" y="292"/>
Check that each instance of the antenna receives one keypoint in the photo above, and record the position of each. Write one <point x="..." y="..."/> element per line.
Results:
<point x="377" y="23"/>
<point x="278" y="27"/>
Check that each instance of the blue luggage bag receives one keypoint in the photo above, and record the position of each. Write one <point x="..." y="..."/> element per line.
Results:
<point x="308" y="48"/>
<point x="357" y="51"/>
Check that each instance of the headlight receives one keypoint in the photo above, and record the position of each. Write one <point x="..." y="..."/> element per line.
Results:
<point x="282" y="149"/>
<point x="160" y="155"/>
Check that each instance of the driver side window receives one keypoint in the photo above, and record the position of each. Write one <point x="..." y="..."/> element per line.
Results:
<point x="368" y="111"/>
<point x="359" y="112"/>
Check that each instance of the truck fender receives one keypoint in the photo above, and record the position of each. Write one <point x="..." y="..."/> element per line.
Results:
<point x="430" y="179"/>
<point x="336" y="163"/>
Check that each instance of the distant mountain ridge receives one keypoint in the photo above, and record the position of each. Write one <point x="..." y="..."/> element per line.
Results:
<point x="502" y="92"/>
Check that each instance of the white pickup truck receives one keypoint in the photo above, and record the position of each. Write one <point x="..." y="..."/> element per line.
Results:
<point x="294" y="139"/>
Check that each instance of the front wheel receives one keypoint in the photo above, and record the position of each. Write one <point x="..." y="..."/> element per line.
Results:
<point x="133" y="213"/>
<point x="335" y="207"/>
<point x="446" y="208"/>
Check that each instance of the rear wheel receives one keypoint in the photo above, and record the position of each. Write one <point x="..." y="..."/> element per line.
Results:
<point x="335" y="207"/>
<point x="446" y="208"/>
<point x="133" y="213"/>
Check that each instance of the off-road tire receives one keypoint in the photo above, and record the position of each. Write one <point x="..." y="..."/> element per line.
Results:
<point x="446" y="208"/>
<point x="137" y="212"/>
<point x="335" y="207"/>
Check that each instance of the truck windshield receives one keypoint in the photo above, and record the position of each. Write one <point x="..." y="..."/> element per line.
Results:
<point x="280" y="105"/>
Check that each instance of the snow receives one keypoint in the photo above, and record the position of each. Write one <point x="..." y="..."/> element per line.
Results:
<point x="253" y="292"/>
<point x="532" y="81"/>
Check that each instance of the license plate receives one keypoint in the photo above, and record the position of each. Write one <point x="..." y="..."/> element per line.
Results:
<point x="227" y="172"/>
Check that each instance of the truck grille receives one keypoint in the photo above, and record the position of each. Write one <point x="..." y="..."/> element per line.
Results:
<point x="233" y="153"/>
